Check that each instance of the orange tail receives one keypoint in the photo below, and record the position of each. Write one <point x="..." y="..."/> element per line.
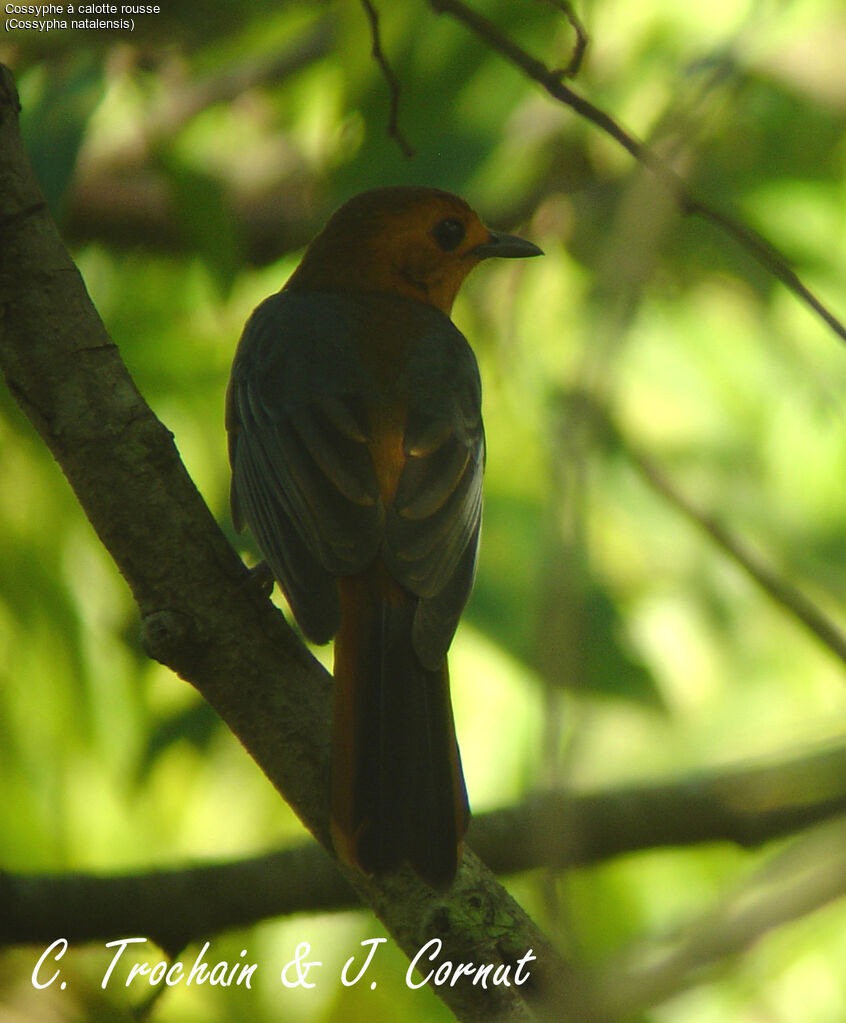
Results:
<point x="397" y="787"/>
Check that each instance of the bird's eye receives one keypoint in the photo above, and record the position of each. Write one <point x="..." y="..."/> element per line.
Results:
<point x="448" y="234"/>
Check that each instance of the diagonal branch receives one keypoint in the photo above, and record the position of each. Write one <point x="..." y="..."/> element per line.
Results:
<point x="766" y="254"/>
<point x="794" y="600"/>
<point x="199" y="613"/>
<point x="779" y="589"/>
<point x="798" y="880"/>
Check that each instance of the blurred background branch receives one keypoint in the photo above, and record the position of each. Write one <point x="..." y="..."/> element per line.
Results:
<point x="795" y="882"/>
<point x="744" y="805"/>
<point x="785" y="593"/>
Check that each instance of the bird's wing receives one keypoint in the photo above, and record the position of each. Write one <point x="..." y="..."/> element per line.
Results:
<point x="302" y="475"/>
<point x="432" y="524"/>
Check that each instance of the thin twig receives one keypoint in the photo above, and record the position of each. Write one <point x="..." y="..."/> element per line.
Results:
<point x="782" y="592"/>
<point x="574" y="64"/>
<point x="779" y="589"/>
<point x="689" y="204"/>
<point x="394" y="129"/>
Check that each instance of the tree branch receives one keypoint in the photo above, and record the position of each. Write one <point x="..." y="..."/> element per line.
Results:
<point x="199" y="613"/>
<point x="171" y="907"/>
<point x="688" y="203"/>
<point x="796" y="881"/>
<point x="779" y="589"/>
<point x="745" y="805"/>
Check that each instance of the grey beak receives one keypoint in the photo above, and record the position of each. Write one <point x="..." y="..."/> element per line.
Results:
<point x="507" y="245"/>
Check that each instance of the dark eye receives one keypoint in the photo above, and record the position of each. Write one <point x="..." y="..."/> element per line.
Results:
<point x="449" y="234"/>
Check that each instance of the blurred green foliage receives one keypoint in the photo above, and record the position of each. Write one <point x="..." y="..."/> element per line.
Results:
<point x="606" y="640"/>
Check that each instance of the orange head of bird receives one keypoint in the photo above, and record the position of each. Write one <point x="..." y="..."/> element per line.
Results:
<point x="412" y="241"/>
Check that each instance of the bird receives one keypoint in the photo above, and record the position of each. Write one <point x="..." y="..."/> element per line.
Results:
<point x="357" y="452"/>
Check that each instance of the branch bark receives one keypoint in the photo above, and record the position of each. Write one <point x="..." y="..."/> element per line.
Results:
<point x="199" y="613"/>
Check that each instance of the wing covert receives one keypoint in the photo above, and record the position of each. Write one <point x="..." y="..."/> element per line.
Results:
<point x="432" y="525"/>
<point x="302" y="475"/>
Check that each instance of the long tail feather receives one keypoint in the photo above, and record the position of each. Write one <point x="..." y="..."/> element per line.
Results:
<point x="397" y="786"/>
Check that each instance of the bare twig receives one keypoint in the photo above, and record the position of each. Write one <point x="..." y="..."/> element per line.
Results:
<point x="574" y="64"/>
<point x="394" y="129"/>
<point x="758" y="247"/>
